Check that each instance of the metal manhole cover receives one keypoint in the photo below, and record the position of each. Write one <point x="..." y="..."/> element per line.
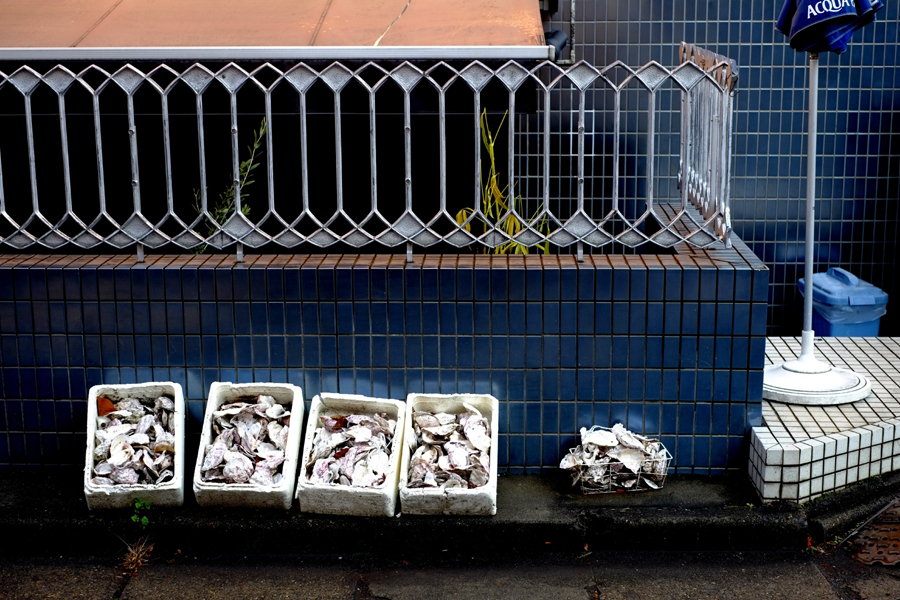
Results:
<point x="879" y="540"/>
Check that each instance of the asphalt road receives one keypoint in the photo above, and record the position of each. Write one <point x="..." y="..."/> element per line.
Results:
<point x="614" y="573"/>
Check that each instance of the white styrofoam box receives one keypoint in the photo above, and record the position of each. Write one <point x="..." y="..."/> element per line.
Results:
<point x="337" y="499"/>
<point x="168" y="493"/>
<point x="437" y="501"/>
<point x="217" y="493"/>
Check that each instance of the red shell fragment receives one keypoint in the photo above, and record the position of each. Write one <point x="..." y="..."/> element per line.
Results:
<point x="104" y="406"/>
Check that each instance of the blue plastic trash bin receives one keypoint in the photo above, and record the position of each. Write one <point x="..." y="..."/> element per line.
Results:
<point x="845" y="305"/>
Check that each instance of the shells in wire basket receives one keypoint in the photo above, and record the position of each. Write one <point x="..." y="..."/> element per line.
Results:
<point x="249" y="445"/>
<point x="613" y="460"/>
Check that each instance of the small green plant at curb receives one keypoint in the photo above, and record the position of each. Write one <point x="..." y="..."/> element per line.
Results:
<point x="225" y="204"/>
<point x="140" y="509"/>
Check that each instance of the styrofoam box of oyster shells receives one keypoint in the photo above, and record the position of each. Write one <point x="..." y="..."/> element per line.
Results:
<point x="210" y="493"/>
<point x="169" y="493"/>
<point x="455" y="501"/>
<point x="338" y="499"/>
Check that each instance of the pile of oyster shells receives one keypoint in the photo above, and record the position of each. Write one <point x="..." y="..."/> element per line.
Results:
<point x="453" y="451"/>
<point x="352" y="450"/>
<point x="135" y="441"/>
<point x="251" y="436"/>
<point x="609" y="460"/>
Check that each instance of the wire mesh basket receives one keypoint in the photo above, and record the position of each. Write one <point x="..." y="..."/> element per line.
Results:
<point x="639" y="466"/>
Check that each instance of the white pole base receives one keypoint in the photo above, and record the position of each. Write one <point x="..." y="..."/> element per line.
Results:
<point x="813" y="383"/>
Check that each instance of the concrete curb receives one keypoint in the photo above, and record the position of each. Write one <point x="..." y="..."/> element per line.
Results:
<point x="44" y="513"/>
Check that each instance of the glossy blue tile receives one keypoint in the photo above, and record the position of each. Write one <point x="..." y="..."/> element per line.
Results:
<point x="294" y="351"/>
<point x="413" y="351"/>
<point x="618" y="390"/>
<point x="328" y="351"/>
<point x="585" y="416"/>
<point x="430" y="318"/>
<point x="568" y="317"/>
<point x="516" y="285"/>
<point x="690" y="284"/>
<point x="482" y="284"/>
<point x="345" y="346"/>
<point x="618" y="413"/>
<point x="413" y="284"/>
<point x="534" y="285"/>
<point x="343" y="282"/>
<point x="738" y="386"/>
<point x="57" y="317"/>
<point x="533" y="417"/>
<point x="431" y="349"/>
<point x="465" y="279"/>
<point x="516" y="418"/>
<point x="551" y="317"/>
<point x="430" y="284"/>
<point x="243" y="350"/>
<point x="499" y="353"/>
<point x="447" y="352"/>
<point x="482" y="350"/>
<point x="327" y="318"/>
<point x="292" y="319"/>
<point x="568" y="284"/>
<point x="309" y="288"/>
<point x="379" y="345"/>
<point x="515" y="390"/>
<point x="725" y="291"/>
<point x="708" y="284"/>
<point x="291" y="284"/>
<point x="656" y="284"/>
<point x="73" y="319"/>
<point x="311" y="352"/>
<point x="447" y="284"/>
<point x="552" y="283"/>
<point x="516" y="450"/>
<point x="325" y="282"/>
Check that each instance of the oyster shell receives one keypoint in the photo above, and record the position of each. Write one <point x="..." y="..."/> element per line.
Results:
<point x="126" y="438"/>
<point x="249" y="446"/>
<point x="352" y="450"/>
<point x="609" y="460"/>
<point x="455" y="453"/>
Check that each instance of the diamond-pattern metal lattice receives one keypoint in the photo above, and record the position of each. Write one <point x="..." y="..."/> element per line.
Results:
<point x="128" y="78"/>
<point x="512" y="75"/>
<point x="25" y="79"/>
<point x="476" y="75"/>
<point x="197" y="77"/>
<point x="406" y="76"/>
<point x="59" y="79"/>
<point x="336" y="76"/>
<point x="652" y="75"/>
<point x="582" y="75"/>
<point x="702" y="189"/>
<point x="301" y="77"/>
<point x="232" y="77"/>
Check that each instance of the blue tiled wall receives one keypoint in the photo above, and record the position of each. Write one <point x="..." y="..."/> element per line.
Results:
<point x="669" y="345"/>
<point x="859" y="181"/>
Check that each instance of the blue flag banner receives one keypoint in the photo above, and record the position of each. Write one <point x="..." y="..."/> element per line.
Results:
<point x="825" y="25"/>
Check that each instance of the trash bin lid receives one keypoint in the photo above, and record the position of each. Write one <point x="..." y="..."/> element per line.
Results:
<point x="840" y="287"/>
